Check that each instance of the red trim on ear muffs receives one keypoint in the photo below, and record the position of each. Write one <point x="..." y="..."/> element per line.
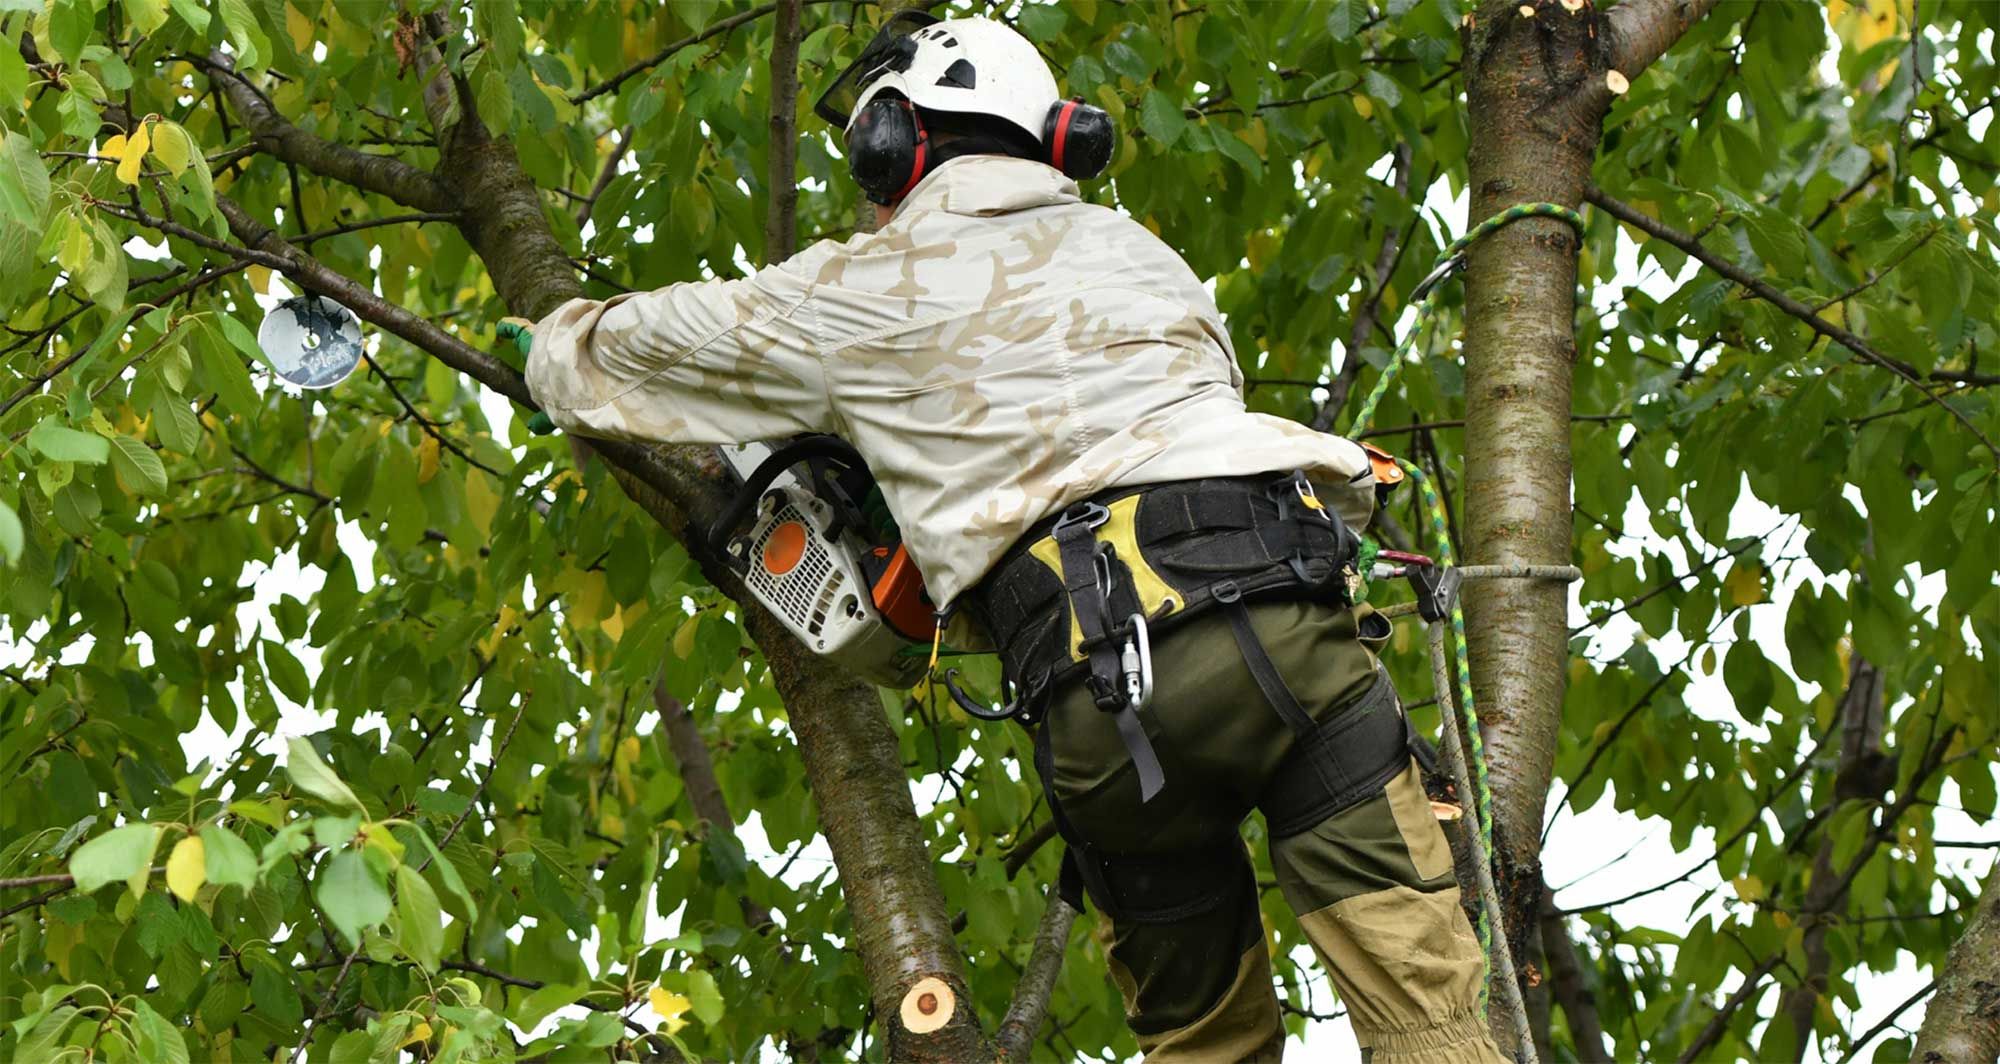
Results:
<point x="1062" y="133"/>
<point x="922" y="154"/>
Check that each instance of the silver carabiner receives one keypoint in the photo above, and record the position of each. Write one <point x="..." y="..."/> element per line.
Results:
<point x="1136" y="662"/>
<point x="1438" y="274"/>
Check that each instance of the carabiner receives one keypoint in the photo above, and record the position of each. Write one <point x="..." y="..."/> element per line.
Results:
<point x="1437" y="274"/>
<point x="1136" y="662"/>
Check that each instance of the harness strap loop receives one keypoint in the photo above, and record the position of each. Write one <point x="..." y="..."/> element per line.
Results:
<point x="1088" y="593"/>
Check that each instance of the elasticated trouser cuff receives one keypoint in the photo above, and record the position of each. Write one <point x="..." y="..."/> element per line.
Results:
<point x="1457" y="1040"/>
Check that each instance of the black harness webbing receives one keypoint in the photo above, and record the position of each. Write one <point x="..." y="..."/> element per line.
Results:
<point x="1086" y="581"/>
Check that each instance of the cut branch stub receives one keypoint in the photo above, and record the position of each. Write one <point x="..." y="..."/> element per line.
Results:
<point x="928" y="1005"/>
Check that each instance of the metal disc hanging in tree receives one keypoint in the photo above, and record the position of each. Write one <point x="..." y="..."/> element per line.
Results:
<point x="311" y="340"/>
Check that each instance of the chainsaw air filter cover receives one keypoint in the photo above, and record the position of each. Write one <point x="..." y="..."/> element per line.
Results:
<point x="815" y="583"/>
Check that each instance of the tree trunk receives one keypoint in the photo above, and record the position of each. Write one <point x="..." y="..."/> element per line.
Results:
<point x="1529" y="143"/>
<point x="1962" y="1021"/>
<point x="1539" y="79"/>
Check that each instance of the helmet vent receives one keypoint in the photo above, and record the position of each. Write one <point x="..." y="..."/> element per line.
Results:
<point x="960" y="74"/>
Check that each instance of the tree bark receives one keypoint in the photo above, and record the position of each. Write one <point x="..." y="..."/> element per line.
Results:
<point x="1860" y="776"/>
<point x="781" y="236"/>
<point x="1962" y="1021"/>
<point x="1572" y="992"/>
<point x="1536" y="92"/>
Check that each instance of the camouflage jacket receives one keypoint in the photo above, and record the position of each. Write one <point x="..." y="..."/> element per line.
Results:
<point x="998" y="350"/>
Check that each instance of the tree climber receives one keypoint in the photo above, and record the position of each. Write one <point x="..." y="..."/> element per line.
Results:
<point x="1048" y="398"/>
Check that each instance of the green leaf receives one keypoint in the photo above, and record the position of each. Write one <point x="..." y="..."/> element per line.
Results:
<point x="13" y="79"/>
<point x="138" y="465"/>
<point x="353" y="894"/>
<point x="70" y="23"/>
<point x="312" y="775"/>
<point x="175" y="422"/>
<point x="173" y="146"/>
<point x="229" y="859"/>
<point x="146" y="15"/>
<point x="1162" y="118"/>
<point x="1345" y="18"/>
<point x="223" y="373"/>
<point x="24" y="183"/>
<point x="420" y="925"/>
<point x="52" y="439"/>
<point x="285" y="671"/>
<point x="705" y="996"/>
<point x="121" y="853"/>
<point x="530" y="1013"/>
<point x="447" y="872"/>
<point x="12" y="537"/>
<point x="251" y="45"/>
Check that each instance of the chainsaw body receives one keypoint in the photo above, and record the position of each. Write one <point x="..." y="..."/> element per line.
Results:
<point x="814" y="545"/>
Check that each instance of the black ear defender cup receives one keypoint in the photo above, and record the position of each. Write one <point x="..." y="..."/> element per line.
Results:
<point x="887" y="149"/>
<point x="1080" y="138"/>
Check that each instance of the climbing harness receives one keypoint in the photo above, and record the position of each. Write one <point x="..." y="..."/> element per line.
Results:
<point x="1436" y="587"/>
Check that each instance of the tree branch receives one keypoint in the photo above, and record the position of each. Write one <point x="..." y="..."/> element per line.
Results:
<point x="780" y="222"/>
<point x="1963" y="1021"/>
<point x="1567" y="984"/>
<point x="384" y="175"/>
<point x="1641" y="31"/>
<point x="604" y="175"/>
<point x="1015" y="1037"/>
<point x="1633" y="217"/>
<point x="1387" y="258"/>
<point x="611" y="84"/>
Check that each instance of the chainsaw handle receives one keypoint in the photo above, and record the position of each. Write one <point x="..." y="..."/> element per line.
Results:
<point x="817" y="445"/>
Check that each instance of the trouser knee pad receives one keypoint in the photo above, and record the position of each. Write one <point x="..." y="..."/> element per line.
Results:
<point x="1342" y="762"/>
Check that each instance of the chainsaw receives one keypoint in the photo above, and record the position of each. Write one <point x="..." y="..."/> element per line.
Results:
<point x="813" y="542"/>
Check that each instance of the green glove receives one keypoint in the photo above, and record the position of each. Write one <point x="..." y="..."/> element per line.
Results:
<point x="522" y="332"/>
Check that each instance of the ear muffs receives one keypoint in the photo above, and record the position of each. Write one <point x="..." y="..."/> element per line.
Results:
<point x="1079" y="138"/>
<point x="887" y="149"/>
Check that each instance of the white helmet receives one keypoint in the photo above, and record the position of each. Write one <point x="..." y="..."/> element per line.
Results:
<point x="973" y="66"/>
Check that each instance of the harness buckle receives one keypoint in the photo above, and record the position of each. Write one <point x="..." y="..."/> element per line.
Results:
<point x="1088" y="514"/>
<point x="1136" y="662"/>
<point x="1225" y="592"/>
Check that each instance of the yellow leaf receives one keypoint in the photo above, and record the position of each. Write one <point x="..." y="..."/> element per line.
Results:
<point x="420" y="1033"/>
<point x="173" y="147"/>
<point x="133" y="153"/>
<point x="1749" y="888"/>
<point x="684" y="638"/>
<point x="300" y="29"/>
<point x="481" y="502"/>
<point x="427" y="459"/>
<point x="1363" y="106"/>
<point x="1745" y="583"/>
<point x="187" y="868"/>
<point x="506" y="621"/>
<point x="670" y="1006"/>
<point x="260" y="279"/>
<point x="613" y="626"/>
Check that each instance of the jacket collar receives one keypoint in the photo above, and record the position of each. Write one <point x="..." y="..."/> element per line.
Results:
<point x="988" y="184"/>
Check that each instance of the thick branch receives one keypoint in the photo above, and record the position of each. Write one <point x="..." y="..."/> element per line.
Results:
<point x="697" y="769"/>
<point x="1567" y="984"/>
<point x="1642" y="30"/>
<point x="384" y="175"/>
<point x="1015" y="1038"/>
<point x="1633" y="217"/>
<point x="1963" y="1021"/>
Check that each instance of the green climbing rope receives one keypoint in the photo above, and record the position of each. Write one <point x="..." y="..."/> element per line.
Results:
<point x="1426" y="296"/>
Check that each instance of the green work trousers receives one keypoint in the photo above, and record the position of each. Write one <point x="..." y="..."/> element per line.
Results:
<point x="1372" y="884"/>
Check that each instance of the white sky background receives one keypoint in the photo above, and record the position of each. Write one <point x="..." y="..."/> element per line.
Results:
<point x="1595" y="855"/>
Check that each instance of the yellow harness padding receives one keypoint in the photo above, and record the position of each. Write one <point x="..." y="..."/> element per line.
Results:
<point x="1121" y="531"/>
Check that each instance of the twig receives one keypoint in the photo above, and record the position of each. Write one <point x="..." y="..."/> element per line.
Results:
<point x="418" y="217"/>
<point x="610" y="84"/>
<point x="604" y="175"/>
<point x="430" y="427"/>
<point x="1387" y="258"/>
<point x="1888" y="1021"/>
<point x="1632" y="216"/>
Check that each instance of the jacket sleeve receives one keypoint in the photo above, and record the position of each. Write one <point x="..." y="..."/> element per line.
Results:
<point x="698" y="362"/>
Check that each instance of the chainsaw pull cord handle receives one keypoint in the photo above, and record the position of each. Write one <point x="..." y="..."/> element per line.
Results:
<point x="760" y="480"/>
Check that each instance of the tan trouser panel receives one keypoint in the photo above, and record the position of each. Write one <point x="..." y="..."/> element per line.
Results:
<point x="1430" y="853"/>
<point x="1408" y="967"/>
<point x="1243" y="1026"/>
